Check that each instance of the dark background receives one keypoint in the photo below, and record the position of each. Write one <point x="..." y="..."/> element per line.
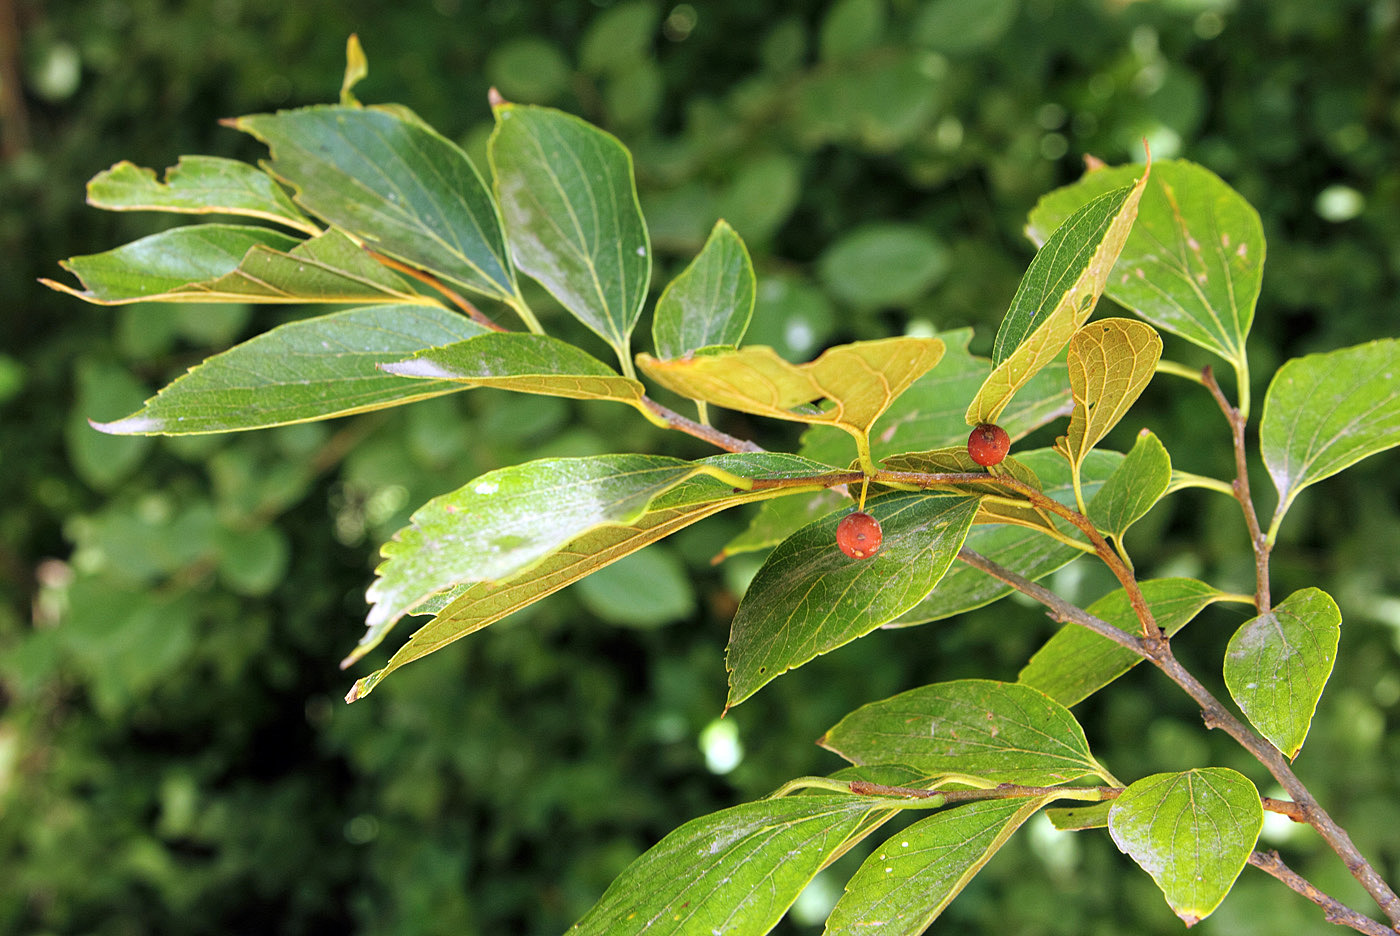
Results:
<point x="174" y="753"/>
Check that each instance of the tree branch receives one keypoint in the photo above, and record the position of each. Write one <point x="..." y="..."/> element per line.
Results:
<point x="1270" y="863"/>
<point x="1240" y="488"/>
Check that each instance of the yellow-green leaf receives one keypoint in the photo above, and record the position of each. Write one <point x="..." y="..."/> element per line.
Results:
<point x="1056" y="295"/>
<point x="1110" y="363"/>
<point x="859" y="381"/>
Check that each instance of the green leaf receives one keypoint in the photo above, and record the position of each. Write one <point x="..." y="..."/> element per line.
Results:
<point x="810" y="598"/>
<point x="198" y="185"/>
<point x="1056" y="296"/>
<point x="710" y="302"/>
<point x="1194" y="260"/>
<point x="861" y="380"/>
<point x="1075" y="663"/>
<point x="1192" y="831"/>
<point x="734" y="871"/>
<point x="394" y="183"/>
<point x="1130" y="492"/>
<point x="228" y="263"/>
<point x="301" y="371"/>
<point x="1080" y="818"/>
<point x="647" y="589"/>
<point x="569" y="201"/>
<point x="1277" y="664"/>
<point x="1018" y="548"/>
<point x="1326" y="412"/>
<point x="999" y="732"/>
<point x="471" y="607"/>
<point x="507" y="519"/>
<point x="883" y="265"/>
<point x="1111" y="362"/>
<point x="909" y="880"/>
<point x="524" y="363"/>
<point x="958" y="28"/>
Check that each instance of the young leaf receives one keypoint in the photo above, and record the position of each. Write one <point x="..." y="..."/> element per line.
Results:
<point x="1194" y="260"/>
<point x="394" y="183"/>
<point x="1111" y="361"/>
<point x="1130" y="492"/>
<point x="569" y="202"/>
<point x="468" y="608"/>
<point x="734" y="871"/>
<point x="226" y="263"/>
<point x="909" y="880"/>
<point x="1019" y="548"/>
<point x="1056" y="296"/>
<point x="1325" y="412"/>
<point x="524" y="363"/>
<point x="1075" y="663"/>
<point x="198" y="185"/>
<point x="1277" y="664"/>
<point x="302" y="371"/>
<point x="509" y="518"/>
<point x="1000" y="732"/>
<point x="1192" y="831"/>
<point x="861" y="380"/>
<point x="810" y="598"/>
<point x="710" y="302"/>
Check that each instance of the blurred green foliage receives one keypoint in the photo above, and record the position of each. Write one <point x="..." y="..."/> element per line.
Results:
<point x="174" y="755"/>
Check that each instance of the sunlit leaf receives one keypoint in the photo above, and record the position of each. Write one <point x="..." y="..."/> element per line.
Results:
<point x="198" y="185"/>
<point x="313" y="369"/>
<point x="1075" y="663"/>
<point x="930" y="414"/>
<point x="1194" y="260"/>
<point x="524" y="363"/>
<point x="394" y="183"/>
<point x="910" y="879"/>
<point x="1192" y="831"/>
<point x="1325" y="412"/>
<point x="569" y="201"/>
<point x="1131" y="491"/>
<point x="228" y="263"/>
<point x="1056" y="296"/>
<point x="1111" y="361"/>
<point x="734" y="871"/>
<point x="710" y="302"/>
<point x="468" y="608"/>
<point x="1277" y="664"/>
<point x="859" y="380"/>
<point x="509" y="518"/>
<point x="1001" y="732"/>
<point x="810" y="598"/>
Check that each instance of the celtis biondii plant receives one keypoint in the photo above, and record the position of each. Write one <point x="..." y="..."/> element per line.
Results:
<point x="369" y="207"/>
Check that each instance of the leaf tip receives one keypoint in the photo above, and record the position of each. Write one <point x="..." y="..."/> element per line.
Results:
<point x="363" y="687"/>
<point x="131" y="425"/>
<point x="495" y="98"/>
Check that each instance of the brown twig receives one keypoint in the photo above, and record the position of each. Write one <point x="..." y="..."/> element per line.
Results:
<point x="1270" y="863"/>
<point x="1240" y="486"/>
<point x="672" y="420"/>
<point x="460" y="301"/>
<point x="1000" y="791"/>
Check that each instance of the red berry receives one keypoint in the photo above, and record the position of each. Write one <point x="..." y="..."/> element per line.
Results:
<point x="988" y="444"/>
<point x="859" y="535"/>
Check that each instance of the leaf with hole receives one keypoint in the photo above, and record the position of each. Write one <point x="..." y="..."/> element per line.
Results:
<point x="198" y="185"/>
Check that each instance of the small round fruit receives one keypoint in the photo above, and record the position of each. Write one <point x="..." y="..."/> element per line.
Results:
<point x="988" y="444"/>
<point x="859" y="535"/>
